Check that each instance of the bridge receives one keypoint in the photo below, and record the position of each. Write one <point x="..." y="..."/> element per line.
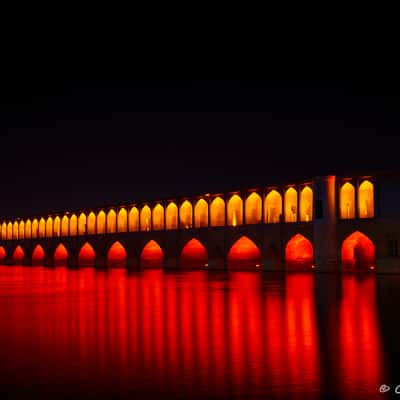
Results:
<point x="327" y="223"/>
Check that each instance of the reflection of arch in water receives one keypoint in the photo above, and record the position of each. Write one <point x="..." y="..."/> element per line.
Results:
<point x="152" y="255"/>
<point x="38" y="255"/>
<point x="116" y="255"/>
<point x="193" y="255"/>
<point x="358" y="252"/>
<point x="60" y="255"/>
<point x="244" y="254"/>
<point x="299" y="254"/>
<point x="18" y="255"/>
<point x="86" y="255"/>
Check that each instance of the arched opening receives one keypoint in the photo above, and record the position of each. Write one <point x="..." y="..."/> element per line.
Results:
<point x="291" y="205"/>
<point x="116" y="256"/>
<point x="18" y="255"/>
<point x="201" y="214"/>
<point x="111" y="222"/>
<point x="273" y="207"/>
<point x="171" y="216"/>
<point x="28" y="229"/>
<point x="366" y="200"/>
<point x="101" y="223"/>
<point x="49" y="227"/>
<point x="73" y="225"/>
<point x="9" y="231"/>
<point x="306" y="204"/>
<point x="3" y="254"/>
<point x="91" y="223"/>
<point x="57" y="227"/>
<point x="244" y="254"/>
<point x="194" y="255"/>
<point x="347" y="200"/>
<point x="158" y="217"/>
<point x="133" y="220"/>
<point x="64" y="226"/>
<point x="152" y="255"/>
<point x="4" y="231"/>
<point x="42" y="228"/>
<point x="253" y="208"/>
<point x="60" y="255"/>
<point x="145" y="218"/>
<point x="235" y="211"/>
<point x="217" y="212"/>
<point x="358" y="253"/>
<point x="186" y="215"/>
<point x="299" y="254"/>
<point x="122" y="220"/>
<point x="21" y="228"/>
<point x="86" y="256"/>
<point x="82" y="224"/>
<point x="15" y="230"/>
<point x="38" y="255"/>
<point x="35" y="228"/>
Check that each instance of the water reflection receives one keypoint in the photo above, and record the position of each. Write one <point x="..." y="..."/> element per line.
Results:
<point x="193" y="334"/>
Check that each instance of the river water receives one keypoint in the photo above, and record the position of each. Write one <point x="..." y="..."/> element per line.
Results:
<point x="90" y="334"/>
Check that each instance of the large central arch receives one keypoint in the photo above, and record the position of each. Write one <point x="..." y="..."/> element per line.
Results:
<point x="18" y="255"/>
<point x="86" y="255"/>
<point x="358" y="253"/>
<point x="244" y="254"/>
<point x="299" y="254"/>
<point x="116" y="256"/>
<point x="152" y="255"/>
<point x="38" y="255"/>
<point x="193" y="255"/>
<point x="60" y="255"/>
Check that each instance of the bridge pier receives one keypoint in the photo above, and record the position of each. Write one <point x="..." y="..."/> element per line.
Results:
<point x="133" y="263"/>
<point x="171" y="263"/>
<point x="217" y="263"/>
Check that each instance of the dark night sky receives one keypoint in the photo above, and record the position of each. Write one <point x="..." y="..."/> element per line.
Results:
<point x="79" y="127"/>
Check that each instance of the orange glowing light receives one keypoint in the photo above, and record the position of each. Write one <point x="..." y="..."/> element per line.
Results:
<point x="291" y="205"/>
<point x="152" y="255"/>
<point x="186" y="214"/>
<point x="201" y="214"/>
<point x="358" y="252"/>
<point x="244" y="254"/>
<point x="38" y="255"/>
<point x="18" y="255"/>
<point x="111" y="222"/>
<point x="101" y="222"/>
<point x="306" y="204"/>
<point x="133" y="220"/>
<point x="235" y="211"/>
<point x="299" y="254"/>
<point x="217" y="212"/>
<point x="158" y="217"/>
<point x="366" y="200"/>
<point x="253" y="209"/>
<point x="145" y="218"/>
<point x="116" y="256"/>
<point x="91" y="223"/>
<point x="171" y="216"/>
<point x="122" y="220"/>
<point x="347" y="201"/>
<point x="3" y="253"/>
<point x="86" y="255"/>
<point x="60" y="255"/>
<point x="193" y="255"/>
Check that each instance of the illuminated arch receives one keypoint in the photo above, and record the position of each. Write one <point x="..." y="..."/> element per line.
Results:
<point x="272" y="207"/>
<point x="35" y="228"/>
<point x="101" y="223"/>
<point x="64" y="226"/>
<point x="217" y="212"/>
<point x="253" y="209"/>
<point x="122" y="220"/>
<point x="116" y="255"/>
<point x="60" y="255"/>
<point x="366" y="200"/>
<point x="235" y="211"/>
<point x="299" y="254"/>
<point x="18" y="255"/>
<point x="158" y="217"/>
<point x="358" y="252"/>
<point x="152" y="255"/>
<point x="15" y="230"/>
<point x="291" y="205"/>
<point x="42" y="228"/>
<point x="57" y="226"/>
<point x="28" y="229"/>
<point x="82" y="224"/>
<point x="201" y="214"/>
<point x="111" y="221"/>
<point x="306" y="204"/>
<point x="86" y="255"/>
<point x="21" y="230"/>
<point x="3" y="253"/>
<point x="38" y="255"/>
<point x="193" y="255"/>
<point x="133" y="220"/>
<point x="73" y="225"/>
<point x="9" y="231"/>
<point x="347" y="201"/>
<point x="244" y="254"/>
<point x="49" y="227"/>
<point x="171" y="216"/>
<point x="186" y="215"/>
<point x="145" y="218"/>
<point x="4" y="231"/>
<point x="91" y="223"/>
